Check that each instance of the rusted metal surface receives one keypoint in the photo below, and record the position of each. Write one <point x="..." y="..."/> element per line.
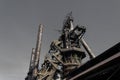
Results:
<point x="87" y="48"/>
<point x="32" y="59"/>
<point x="38" y="45"/>
<point x="64" y="56"/>
<point x="35" y="56"/>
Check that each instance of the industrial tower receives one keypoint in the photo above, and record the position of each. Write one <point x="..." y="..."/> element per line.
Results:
<point x="64" y="56"/>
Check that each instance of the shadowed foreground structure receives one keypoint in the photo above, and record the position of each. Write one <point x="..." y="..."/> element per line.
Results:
<point x="104" y="67"/>
<point x="63" y="61"/>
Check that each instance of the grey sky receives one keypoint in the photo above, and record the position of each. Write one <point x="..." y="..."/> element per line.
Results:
<point x="19" y="20"/>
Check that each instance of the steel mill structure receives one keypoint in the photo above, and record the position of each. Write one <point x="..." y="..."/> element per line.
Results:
<point x="64" y="57"/>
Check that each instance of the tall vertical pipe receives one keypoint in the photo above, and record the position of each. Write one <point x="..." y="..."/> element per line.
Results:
<point x="38" y="46"/>
<point x="32" y="59"/>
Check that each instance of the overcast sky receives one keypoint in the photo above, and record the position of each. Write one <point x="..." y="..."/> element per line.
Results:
<point x="19" y="20"/>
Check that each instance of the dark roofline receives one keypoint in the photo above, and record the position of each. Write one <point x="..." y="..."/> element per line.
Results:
<point x="108" y="53"/>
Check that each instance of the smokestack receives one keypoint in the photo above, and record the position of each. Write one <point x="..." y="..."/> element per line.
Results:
<point x="35" y="56"/>
<point x="32" y="59"/>
<point x="38" y="45"/>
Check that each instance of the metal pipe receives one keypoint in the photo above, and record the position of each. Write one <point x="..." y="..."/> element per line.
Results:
<point x="38" y="45"/>
<point x="32" y="59"/>
<point x="71" y="24"/>
<point x="87" y="48"/>
<point x="34" y="62"/>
